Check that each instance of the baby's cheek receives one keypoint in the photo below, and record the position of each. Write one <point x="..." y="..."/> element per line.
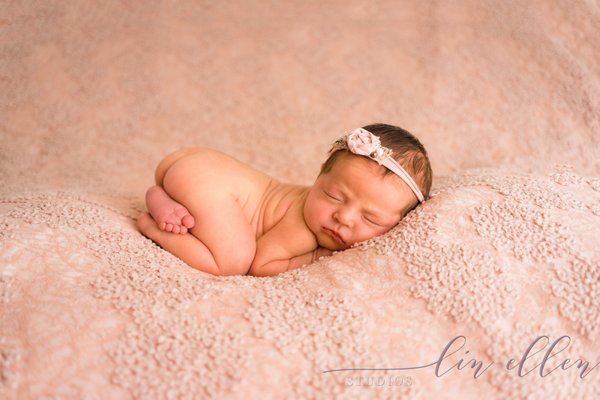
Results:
<point x="371" y="233"/>
<point x="317" y="212"/>
<point x="313" y="219"/>
<point x="383" y="231"/>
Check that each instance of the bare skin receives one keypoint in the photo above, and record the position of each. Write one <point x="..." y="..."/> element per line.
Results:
<point x="226" y="218"/>
<point x="168" y="214"/>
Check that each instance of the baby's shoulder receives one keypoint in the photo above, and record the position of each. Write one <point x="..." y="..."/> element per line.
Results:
<point x="283" y="203"/>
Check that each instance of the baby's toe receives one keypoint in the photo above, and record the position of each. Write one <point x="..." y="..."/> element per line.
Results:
<point x="188" y="221"/>
<point x="176" y="229"/>
<point x="169" y="227"/>
<point x="162" y="226"/>
<point x="183" y="230"/>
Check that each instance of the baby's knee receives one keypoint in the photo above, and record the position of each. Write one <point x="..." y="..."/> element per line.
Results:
<point x="236" y="262"/>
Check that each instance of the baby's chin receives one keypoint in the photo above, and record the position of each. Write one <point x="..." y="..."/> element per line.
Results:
<point x="331" y="244"/>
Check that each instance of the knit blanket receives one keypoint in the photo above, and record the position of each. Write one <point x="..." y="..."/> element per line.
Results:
<point x="490" y="289"/>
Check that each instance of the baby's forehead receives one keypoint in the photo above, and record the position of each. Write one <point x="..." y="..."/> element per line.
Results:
<point x="364" y="177"/>
<point x="387" y="186"/>
<point x="377" y="174"/>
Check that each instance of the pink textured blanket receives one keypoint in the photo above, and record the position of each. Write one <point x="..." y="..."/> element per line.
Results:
<point x="491" y="289"/>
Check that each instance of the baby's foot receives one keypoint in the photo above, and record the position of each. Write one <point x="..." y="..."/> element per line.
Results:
<point x="170" y="216"/>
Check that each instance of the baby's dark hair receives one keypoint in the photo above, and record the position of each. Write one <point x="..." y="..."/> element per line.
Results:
<point x="407" y="151"/>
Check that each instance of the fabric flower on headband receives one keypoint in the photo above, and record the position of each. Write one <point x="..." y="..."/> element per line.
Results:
<point x="363" y="143"/>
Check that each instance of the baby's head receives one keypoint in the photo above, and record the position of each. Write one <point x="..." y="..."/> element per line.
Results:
<point x="373" y="177"/>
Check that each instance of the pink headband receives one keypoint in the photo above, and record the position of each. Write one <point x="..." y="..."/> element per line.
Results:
<point x="364" y="143"/>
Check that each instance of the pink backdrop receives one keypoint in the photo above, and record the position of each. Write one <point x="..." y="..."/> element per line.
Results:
<point x="504" y="94"/>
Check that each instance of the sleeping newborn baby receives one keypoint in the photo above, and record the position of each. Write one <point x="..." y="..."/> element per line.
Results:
<point x="225" y="218"/>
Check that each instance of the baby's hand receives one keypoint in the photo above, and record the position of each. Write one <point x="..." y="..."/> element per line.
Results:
<point x="322" y="252"/>
<point x="308" y="258"/>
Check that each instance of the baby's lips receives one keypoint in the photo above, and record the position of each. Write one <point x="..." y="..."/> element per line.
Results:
<point x="338" y="238"/>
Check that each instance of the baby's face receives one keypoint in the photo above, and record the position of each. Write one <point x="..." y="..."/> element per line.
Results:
<point x="354" y="202"/>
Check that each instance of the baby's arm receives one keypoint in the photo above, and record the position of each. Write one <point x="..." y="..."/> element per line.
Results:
<point x="285" y="247"/>
<point x="275" y="251"/>
<point x="278" y="265"/>
<point x="307" y="258"/>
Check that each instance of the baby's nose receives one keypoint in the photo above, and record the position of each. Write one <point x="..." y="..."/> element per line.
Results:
<point x="344" y="217"/>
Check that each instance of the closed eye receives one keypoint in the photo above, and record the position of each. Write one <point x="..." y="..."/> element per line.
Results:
<point x="371" y="221"/>
<point x="332" y="196"/>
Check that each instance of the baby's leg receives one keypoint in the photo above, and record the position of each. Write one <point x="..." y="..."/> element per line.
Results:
<point x="222" y="244"/>
<point x="187" y="247"/>
<point x="221" y="225"/>
<point x="169" y="215"/>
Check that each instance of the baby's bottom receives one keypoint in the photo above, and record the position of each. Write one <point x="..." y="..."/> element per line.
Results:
<point x="220" y="240"/>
